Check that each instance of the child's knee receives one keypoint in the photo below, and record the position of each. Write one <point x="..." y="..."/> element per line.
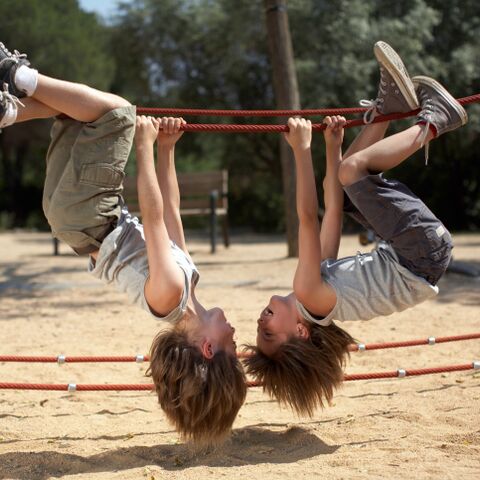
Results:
<point x="121" y="102"/>
<point x="350" y="171"/>
<point x="112" y="102"/>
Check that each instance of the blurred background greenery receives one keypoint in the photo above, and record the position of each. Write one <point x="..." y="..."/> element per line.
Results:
<point x="213" y="54"/>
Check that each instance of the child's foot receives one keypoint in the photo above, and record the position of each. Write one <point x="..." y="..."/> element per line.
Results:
<point x="9" y="64"/>
<point x="438" y="108"/>
<point x="396" y="92"/>
<point x="8" y="107"/>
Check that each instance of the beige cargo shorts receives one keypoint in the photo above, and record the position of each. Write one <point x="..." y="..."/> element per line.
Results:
<point x="82" y="197"/>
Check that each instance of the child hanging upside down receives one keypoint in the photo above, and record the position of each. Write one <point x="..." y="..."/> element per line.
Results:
<point x="199" y="381"/>
<point x="300" y="351"/>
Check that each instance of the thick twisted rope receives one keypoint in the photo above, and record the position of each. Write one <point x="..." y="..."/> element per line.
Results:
<point x="72" y="387"/>
<point x="144" y="358"/>
<point x="273" y="113"/>
<point x="413" y="343"/>
<point x="316" y="127"/>
<point x="72" y="359"/>
<point x="248" y="113"/>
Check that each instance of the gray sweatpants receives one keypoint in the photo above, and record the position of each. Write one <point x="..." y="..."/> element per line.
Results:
<point x="399" y="217"/>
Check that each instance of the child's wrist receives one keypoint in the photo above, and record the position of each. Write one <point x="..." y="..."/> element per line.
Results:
<point x="143" y="143"/>
<point x="333" y="145"/>
<point x="301" y="148"/>
<point x="166" y="147"/>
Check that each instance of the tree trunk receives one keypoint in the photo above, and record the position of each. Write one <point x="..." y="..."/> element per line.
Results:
<point x="287" y="98"/>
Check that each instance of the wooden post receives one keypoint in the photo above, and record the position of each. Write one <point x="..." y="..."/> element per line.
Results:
<point x="287" y="98"/>
<point x="213" y="220"/>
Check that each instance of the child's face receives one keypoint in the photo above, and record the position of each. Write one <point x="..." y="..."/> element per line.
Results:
<point x="278" y="322"/>
<point x="219" y="331"/>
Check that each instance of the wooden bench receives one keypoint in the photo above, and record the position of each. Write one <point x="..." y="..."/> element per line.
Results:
<point x="201" y="193"/>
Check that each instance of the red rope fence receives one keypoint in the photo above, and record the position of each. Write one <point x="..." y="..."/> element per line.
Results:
<point x="144" y="358"/>
<point x="64" y="359"/>
<point x="413" y="343"/>
<point x="73" y="387"/>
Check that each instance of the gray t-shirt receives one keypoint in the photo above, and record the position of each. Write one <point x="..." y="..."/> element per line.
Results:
<point x="369" y="285"/>
<point x="122" y="260"/>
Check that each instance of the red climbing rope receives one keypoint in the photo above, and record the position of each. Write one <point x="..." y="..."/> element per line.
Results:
<point x="144" y="358"/>
<point x="235" y="128"/>
<point x="72" y="387"/>
<point x="232" y="128"/>
<point x="248" y="113"/>
<point x="270" y="113"/>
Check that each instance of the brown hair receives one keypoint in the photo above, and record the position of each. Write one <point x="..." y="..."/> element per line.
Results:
<point x="303" y="373"/>
<point x="201" y="397"/>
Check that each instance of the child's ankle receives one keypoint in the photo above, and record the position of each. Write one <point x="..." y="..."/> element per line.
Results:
<point x="26" y="79"/>
<point x="431" y="127"/>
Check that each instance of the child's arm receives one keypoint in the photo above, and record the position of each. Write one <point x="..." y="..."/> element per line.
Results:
<point x="332" y="221"/>
<point x="309" y="288"/>
<point x="168" y="136"/>
<point x="165" y="283"/>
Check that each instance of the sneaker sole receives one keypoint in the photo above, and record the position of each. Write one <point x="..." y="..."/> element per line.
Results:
<point x="390" y="59"/>
<point x="447" y="96"/>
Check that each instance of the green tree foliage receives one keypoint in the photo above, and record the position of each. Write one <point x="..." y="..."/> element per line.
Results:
<point x="62" y="41"/>
<point x="209" y="54"/>
<point x="213" y="54"/>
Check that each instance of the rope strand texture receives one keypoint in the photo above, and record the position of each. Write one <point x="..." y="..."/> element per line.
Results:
<point x="316" y="127"/>
<point x="135" y="358"/>
<point x="150" y="387"/>
<point x="272" y="113"/>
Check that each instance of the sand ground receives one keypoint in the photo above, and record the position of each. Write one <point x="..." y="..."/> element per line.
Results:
<point x="420" y="427"/>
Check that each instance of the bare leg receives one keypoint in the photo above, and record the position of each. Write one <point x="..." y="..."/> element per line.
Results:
<point x="382" y="155"/>
<point x="369" y="135"/>
<point x="78" y="101"/>
<point x="34" y="109"/>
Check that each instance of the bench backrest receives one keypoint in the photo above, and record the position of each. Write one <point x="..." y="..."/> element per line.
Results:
<point x="195" y="189"/>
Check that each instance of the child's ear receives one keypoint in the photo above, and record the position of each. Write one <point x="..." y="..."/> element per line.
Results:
<point x="302" y="331"/>
<point x="207" y="349"/>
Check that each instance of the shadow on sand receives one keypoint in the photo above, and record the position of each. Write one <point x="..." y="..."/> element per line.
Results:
<point x="464" y="289"/>
<point x="248" y="446"/>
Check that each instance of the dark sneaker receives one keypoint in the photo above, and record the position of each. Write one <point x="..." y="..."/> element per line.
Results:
<point x="396" y="93"/>
<point x="438" y="108"/>
<point x="9" y="63"/>
<point x="8" y="107"/>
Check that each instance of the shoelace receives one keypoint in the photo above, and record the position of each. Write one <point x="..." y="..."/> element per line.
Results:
<point x="15" y="56"/>
<point x="372" y="105"/>
<point x="8" y="97"/>
<point x="426" y="116"/>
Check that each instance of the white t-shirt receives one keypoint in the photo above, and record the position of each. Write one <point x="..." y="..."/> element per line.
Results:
<point x="122" y="260"/>
<point x="369" y="285"/>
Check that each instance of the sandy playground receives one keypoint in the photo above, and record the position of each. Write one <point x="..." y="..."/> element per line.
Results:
<point x="424" y="427"/>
